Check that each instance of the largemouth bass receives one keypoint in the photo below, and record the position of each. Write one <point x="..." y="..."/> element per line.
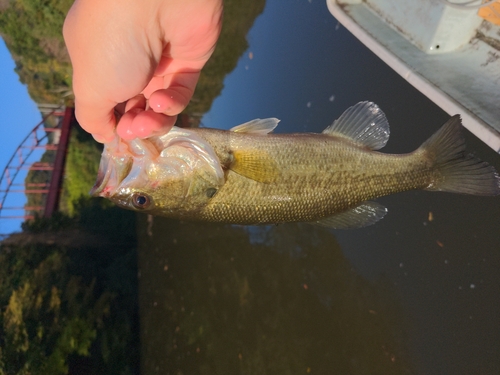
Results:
<point x="249" y="175"/>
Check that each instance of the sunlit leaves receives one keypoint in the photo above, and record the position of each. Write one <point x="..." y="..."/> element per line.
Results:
<point x="82" y="163"/>
<point x="32" y="30"/>
<point x="49" y="314"/>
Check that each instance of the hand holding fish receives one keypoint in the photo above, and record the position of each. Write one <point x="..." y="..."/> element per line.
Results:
<point x="142" y="58"/>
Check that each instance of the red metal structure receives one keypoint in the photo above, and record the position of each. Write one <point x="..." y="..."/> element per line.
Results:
<point x="58" y="167"/>
<point x="44" y="138"/>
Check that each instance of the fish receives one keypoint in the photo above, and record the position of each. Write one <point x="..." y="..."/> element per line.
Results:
<point x="250" y="175"/>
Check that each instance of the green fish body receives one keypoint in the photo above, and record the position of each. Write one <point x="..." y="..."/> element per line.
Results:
<point x="250" y="176"/>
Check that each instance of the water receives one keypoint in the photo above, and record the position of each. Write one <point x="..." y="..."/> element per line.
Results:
<point x="417" y="293"/>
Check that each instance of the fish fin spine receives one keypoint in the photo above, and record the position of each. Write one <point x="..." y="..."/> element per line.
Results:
<point x="364" y="123"/>
<point x="257" y="126"/>
<point x="365" y="214"/>
<point x="457" y="171"/>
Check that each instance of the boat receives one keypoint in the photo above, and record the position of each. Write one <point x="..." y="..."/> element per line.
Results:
<point x="447" y="49"/>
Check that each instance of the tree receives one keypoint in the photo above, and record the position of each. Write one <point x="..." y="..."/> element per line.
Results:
<point x="48" y="313"/>
<point x="68" y="295"/>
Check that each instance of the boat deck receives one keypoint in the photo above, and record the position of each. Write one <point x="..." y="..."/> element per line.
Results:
<point x="464" y="81"/>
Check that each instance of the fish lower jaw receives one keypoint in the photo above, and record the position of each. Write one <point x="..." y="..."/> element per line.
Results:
<point x="107" y="192"/>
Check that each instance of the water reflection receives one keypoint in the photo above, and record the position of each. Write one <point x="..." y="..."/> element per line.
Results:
<point x="260" y="300"/>
<point x="284" y="300"/>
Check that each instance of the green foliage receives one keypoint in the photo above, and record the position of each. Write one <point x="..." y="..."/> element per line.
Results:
<point x="82" y="164"/>
<point x="68" y="298"/>
<point x="48" y="81"/>
<point x="58" y="221"/>
<point x="239" y="16"/>
<point x="68" y="285"/>
<point x="49" y="313"/>
<point x="32" y="32"/>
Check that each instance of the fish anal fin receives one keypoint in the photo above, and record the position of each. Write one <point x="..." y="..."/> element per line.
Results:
<point x="367" y="213"/>
<point x="256" y="165"/>
<point x="257" y="126"/>
<point x="364" y="123"/>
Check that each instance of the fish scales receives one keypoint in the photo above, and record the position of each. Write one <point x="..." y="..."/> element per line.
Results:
<point x="318" y="176"/>
<point x="249" y="176"/>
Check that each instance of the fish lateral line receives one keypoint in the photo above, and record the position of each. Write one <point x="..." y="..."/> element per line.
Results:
<point x="249" y="175"/>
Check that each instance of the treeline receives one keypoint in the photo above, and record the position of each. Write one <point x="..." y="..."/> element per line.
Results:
<point x="82" y="164"/>
<point x="68" y="285"/>
<point x="68" y="295"/>
<point x="239" y="16"/>
<point x="32" y="31"/>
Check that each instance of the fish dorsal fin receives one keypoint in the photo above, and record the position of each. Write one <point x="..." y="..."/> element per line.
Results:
<point x="363" y="123"/>
<point x="257" y="126"/>
<point x="367" y="213"/>
<point x="256" y="165"/>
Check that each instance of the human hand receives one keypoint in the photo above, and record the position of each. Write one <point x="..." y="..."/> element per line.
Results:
<point x="140" y="57"/>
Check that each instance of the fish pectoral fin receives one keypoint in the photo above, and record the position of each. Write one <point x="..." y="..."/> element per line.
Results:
<point x="367" y="213"/>
<point x="257" y="126"/>
<point x="363" y="123"/>
<point x="258" y="166"/>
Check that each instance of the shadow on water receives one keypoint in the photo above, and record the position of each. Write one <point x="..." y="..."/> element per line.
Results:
<point x="269" y="300"/>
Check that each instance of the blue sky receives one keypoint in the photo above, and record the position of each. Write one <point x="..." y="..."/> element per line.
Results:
<point x="18" y="113"/>
<point x="273" y="77"/>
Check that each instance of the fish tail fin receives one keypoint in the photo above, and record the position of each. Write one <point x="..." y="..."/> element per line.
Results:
<point x="456" y="171"/>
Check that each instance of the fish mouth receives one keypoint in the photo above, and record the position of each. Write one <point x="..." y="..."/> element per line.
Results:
<point x="113" y="169"/>
<point x="103" y="177"/>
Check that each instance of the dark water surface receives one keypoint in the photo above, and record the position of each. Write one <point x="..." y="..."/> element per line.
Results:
<point x="417" y="293"/>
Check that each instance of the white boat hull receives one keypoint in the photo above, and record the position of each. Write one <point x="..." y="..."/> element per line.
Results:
<point x="465" y="80"/>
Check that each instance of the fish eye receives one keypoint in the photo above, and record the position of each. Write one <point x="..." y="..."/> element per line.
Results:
<point x="141" y="201"/>
<point x="211" y="192"/>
